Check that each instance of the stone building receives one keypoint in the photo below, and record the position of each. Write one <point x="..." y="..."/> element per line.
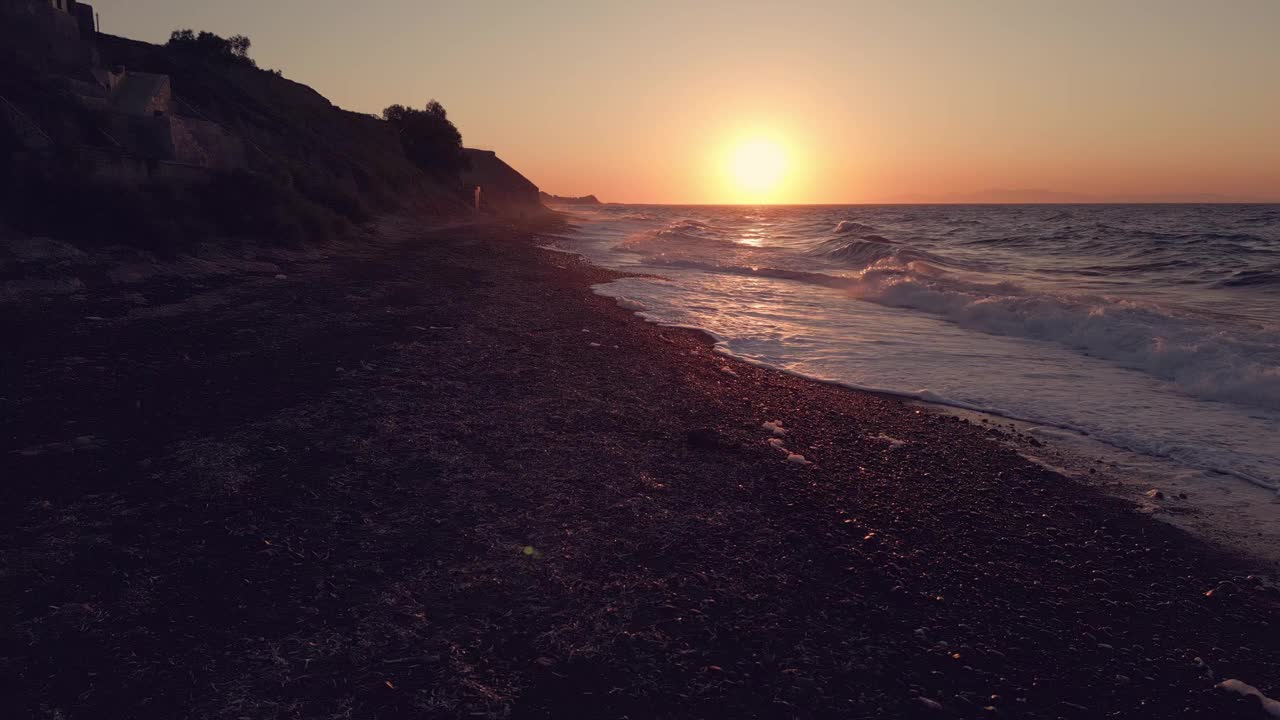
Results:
<point x="55" y="33"/>
<point x="82" y="13"/>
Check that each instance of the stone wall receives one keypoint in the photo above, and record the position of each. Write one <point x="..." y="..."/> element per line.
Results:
<point x="150" y="137"/>
<point x="200" y="142"/>
<point x="127" y="169"/>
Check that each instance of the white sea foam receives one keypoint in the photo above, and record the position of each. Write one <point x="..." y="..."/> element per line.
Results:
<point x="630" y="304"/>
<point x="1203" y="360"/>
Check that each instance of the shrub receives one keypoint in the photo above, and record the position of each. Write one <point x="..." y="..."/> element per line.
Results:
<point x="208" y="46"/>
<point x="429" y="139"/>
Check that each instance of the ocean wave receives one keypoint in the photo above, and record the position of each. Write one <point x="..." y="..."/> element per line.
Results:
<point x="1200" y="359"/>
<point x="805" y="276"/>
<point x="681" y="234"/>
<point x="1152" y="266"/>
<point x="1252" y="278"/>
<point x="685" y="228"/>
<point x="1003" y="241"/>
<point x="871" y="249"/>
<point x="845" y="227"/>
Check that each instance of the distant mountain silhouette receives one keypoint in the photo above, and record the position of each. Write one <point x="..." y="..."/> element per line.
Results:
<point x="998" y="196"/>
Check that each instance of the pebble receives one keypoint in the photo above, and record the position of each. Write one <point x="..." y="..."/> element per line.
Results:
<point x="931" y="704"/>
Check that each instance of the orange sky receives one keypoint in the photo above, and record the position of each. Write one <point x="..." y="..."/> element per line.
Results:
<point x="871" y="102"/>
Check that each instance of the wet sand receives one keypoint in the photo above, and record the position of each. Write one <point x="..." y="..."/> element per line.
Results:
<point x="433" y="475"/>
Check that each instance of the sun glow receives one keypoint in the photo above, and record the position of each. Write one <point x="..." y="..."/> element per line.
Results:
<point x="756" y="168"/>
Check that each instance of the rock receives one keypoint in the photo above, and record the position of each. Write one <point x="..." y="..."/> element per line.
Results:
<point x="1224" y="589"/>
<point x="704" y="439"/>
<point x="930" y="704"/>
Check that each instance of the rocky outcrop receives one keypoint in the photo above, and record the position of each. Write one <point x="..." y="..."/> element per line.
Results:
<point x="548" y="199"/>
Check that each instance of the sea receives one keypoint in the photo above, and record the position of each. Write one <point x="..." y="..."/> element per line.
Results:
<point x="1145" y="334"/>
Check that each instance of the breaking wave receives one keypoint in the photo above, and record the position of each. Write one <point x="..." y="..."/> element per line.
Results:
<point x="846" y="227"/>
<point x="1202" y="360"/>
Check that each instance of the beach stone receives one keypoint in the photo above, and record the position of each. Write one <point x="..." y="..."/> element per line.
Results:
<point x="1224" y="589"/>
<point x="930" y="704"/>
<point x="704" y="439"/>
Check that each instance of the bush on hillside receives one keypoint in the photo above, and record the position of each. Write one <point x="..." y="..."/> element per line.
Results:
<point x="430" y="139"/>
<point x="208" y="46"/>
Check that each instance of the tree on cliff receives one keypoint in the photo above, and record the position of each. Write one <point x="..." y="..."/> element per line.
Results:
<point x="429" y="138"/>
<point x="208" y="46"/>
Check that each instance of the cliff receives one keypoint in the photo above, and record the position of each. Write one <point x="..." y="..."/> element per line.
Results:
<point x="225" y="151"/>
<point x="496" y="186"/>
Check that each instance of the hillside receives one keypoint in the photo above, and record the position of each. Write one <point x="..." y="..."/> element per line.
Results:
<point x="290" y="128"/>
<point x="295" y="166"/>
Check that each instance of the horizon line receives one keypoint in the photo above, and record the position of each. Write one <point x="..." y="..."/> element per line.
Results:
<point x="918" y="203"/>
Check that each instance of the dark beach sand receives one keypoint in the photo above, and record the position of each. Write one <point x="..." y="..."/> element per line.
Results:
<point x="436" y="476"/>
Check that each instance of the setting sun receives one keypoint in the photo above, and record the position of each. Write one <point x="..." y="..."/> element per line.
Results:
<point x="756" y="168"/>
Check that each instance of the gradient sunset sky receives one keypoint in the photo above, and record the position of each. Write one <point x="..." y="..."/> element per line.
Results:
<point x="870" y="102"/>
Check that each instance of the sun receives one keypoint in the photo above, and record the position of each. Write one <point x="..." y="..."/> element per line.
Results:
<point x="756" y="167"/>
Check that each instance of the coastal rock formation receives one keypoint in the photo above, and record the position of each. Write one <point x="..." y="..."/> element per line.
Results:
<point x="496" y="186"/>
<point x="548" y="199"/>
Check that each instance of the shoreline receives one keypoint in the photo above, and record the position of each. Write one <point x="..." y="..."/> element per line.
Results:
<point x="1216" y="516"/>
<point x="1232" y="509"/>
<point x="436" y="474"/>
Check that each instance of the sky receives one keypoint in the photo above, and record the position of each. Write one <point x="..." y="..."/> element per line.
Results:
<point x="802" y="101"/>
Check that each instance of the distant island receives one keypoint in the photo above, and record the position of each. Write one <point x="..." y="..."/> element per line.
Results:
<point x="548" y="198"/>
